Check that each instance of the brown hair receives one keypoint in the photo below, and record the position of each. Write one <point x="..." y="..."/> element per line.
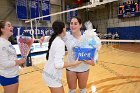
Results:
<point x="78" y="18"/>
<point x="2" y="24"/>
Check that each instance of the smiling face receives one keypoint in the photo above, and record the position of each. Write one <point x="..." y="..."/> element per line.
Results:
<point x="75" y="25"/>
<point x="7" y="29"/>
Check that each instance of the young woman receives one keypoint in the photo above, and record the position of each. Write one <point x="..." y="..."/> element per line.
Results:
<point x="78" y="74"/>
<point x="9" y="65"/>
<point x="52" y="73"/>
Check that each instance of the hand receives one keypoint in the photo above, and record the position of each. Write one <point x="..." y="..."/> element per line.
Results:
<point x="91" y="62"/>
<point x="72" y="64"/>
<point x="22" y="65"/>
<point x="41" y="40"/>
<point x="77" y="62"/>
<point x="20" y="62"/>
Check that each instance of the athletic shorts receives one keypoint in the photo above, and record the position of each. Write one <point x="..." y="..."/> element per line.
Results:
<point x="76" y="71"/>
<point x="8" y="81"/>
<point x="52" y="81"/>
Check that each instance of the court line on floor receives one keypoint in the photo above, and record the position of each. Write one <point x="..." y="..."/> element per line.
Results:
<point x="120" y="64"/>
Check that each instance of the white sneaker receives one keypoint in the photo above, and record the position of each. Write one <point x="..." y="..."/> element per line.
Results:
<point x="93" y="88"/>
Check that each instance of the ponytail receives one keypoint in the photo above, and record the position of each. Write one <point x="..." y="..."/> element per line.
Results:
<point x="50" y="43"/>
<point x="58" y="29"/>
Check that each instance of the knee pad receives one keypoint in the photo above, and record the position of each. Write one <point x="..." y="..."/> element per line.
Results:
<point x="72" y="91"/>
<point x="83" y="90"/>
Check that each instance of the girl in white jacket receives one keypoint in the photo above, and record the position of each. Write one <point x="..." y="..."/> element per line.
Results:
<point x="52" y="73"/>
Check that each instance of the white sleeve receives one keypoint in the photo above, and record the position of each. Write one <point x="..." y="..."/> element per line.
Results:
<point x="4" y="61"/>
<point x="66" y="36"/>
<point x="47" y="38"/>
<point x="59" y="55"/>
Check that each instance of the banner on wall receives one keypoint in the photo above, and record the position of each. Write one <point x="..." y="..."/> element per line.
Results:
<point x="21" y="9"/>
<point x="34" y="8"/>
<point x="18" y="30"/>
<point x="39" y="32"/>
<point x="72" y="13"/>
<point x="75" y="13"/>
<point x="46" y="9"/>
<point x="69" y="14"/>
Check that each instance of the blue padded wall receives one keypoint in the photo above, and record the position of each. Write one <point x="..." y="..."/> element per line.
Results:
<point x="128" y="33"/>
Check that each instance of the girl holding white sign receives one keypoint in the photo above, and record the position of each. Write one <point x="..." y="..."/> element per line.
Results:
<point x="80" y="72"/>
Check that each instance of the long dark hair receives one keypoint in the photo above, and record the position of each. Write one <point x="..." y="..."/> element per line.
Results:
<point x="57" y="27"/>
<point x="2" y="24"/>
<point x="78" y="18"/>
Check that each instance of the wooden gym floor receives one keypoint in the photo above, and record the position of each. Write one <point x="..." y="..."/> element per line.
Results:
<point x="118" y="71"/>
